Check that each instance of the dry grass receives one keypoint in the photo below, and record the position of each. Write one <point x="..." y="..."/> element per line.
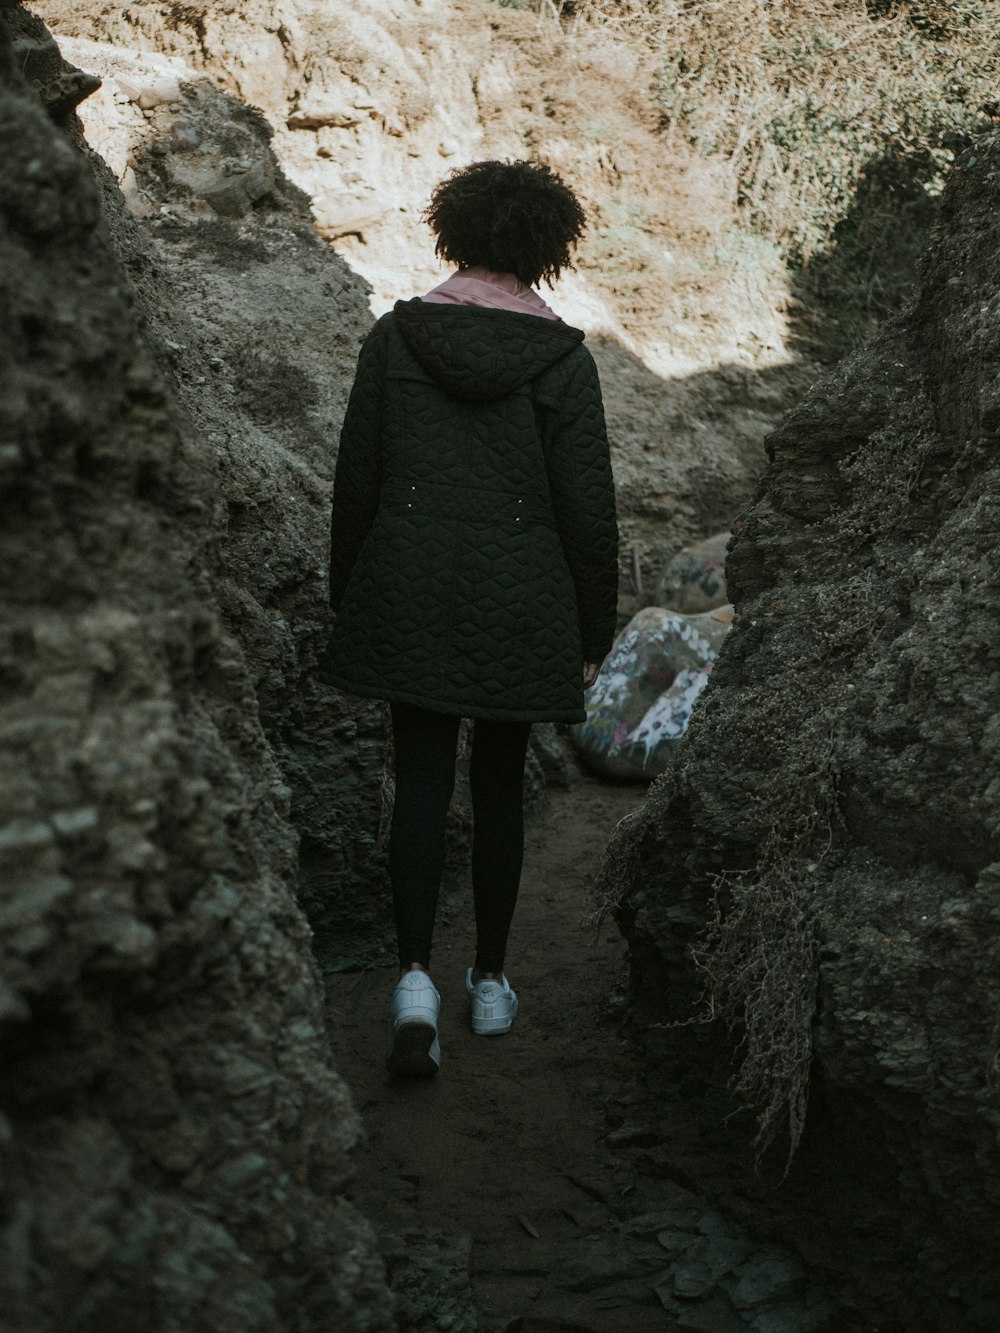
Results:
<point x="758" y="958"/>
<point x="798" y="96"/>
<point x="757" y="954"/>
<point x="833" y="122"/>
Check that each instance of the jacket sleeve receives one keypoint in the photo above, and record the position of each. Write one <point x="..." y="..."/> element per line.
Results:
<point x="583" y="499"/>
<point x="358" y="477"/>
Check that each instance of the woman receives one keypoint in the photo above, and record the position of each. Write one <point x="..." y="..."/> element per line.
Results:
<point x="473" y="562"/>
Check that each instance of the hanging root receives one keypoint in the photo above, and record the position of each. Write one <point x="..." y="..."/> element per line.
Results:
<point x="387" y="783"/>
<point x="759" y="959"/>
<point x="618" y="870"/>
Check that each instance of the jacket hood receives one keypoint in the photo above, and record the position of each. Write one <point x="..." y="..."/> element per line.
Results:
<point x="478" y="354"/>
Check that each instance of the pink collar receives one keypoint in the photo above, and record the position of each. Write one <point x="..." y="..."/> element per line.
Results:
<point x="494" y="291"/>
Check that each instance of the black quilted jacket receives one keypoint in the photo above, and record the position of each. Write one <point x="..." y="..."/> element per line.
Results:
<point x="473" y="560"/>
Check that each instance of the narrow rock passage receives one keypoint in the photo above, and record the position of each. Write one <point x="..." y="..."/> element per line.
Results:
<point x="507" y="1141"/>
<point x="546" y="1180"/>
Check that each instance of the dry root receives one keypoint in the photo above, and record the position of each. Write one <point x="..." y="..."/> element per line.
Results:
<point x="759" y="959"/>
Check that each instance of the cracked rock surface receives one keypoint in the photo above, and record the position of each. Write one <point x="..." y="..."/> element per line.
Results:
<point x="174" y="1139"/>
<point x="838" y="793"/>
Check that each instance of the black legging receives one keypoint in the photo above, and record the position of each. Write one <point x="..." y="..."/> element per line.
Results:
<point x="425" y="745"/>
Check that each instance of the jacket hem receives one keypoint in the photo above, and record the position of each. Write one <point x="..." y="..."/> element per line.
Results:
<point x="451" y="709"/>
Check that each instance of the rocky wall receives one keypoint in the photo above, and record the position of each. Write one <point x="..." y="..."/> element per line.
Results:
<point x="259" y="325"/>
<point x="373" y="101"/>
<point x="174" y="1143"/>
<point x="829" y="844"/>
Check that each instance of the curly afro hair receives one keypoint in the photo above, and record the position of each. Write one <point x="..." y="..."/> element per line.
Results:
<point x="511" y="217"/>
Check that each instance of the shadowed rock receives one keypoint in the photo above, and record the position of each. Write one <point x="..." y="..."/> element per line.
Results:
<point x="173" y="1137"/>
<point x="60" y="85"/>
<point x="694" y="579"/>
<point x="837" y="797"/>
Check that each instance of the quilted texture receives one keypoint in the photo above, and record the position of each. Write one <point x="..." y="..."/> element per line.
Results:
<point x="473" y="555"/>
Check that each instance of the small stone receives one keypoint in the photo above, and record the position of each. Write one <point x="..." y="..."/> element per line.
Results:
<point x="712" y="1223"/>
<point x="694" y="579"/>
<point x="714" y="1315"/>
<point x="74" y="823"/>
<point x="154" y="95"/>
<point x="676" y="1241"/>
<point x="681" y="1218"/>
<point x="768" y="1278"/>
<point x="692" y="1279"/>
<point x="243" y="1076"/>
<point x="137" y="854"/>
<point x="725" y="1253"/>
<point x="184" y="137"/>
<point x="30" y="940"/>
<point x="30" y="899"/>
<point x="22" y="835"/>
<point x="633" y="1136"/>
<point x="128" y="940"/>
<point x="237" y="1174"/>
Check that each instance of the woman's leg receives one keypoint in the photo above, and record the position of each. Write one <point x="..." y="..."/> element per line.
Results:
<point x="425" y="744"/>
<point x="496" y="776"/>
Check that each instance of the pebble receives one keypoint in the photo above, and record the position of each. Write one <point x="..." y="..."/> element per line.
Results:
<point x="70" y="824"/>
<point x="765" y="1279"/>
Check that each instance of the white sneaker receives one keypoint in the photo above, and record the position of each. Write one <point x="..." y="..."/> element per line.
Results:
<point x="492" y="1006"/>
<point x="414" y="1049"/>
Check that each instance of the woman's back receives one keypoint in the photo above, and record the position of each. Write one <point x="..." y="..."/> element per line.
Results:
<point x="473" y="558"/>
<point x="489" y="560"/>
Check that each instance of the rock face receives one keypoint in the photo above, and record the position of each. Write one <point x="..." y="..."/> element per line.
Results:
<point x="838" y="794"/>
<point x="59" y="84"/>
<point x="373" y="101"/>
<point x="173" y="1139"/>
<point x="257" y="324"/>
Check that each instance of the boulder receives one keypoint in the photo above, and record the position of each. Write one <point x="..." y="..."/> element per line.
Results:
<point x="639" y="707"/>
<point x="694" y="579"/>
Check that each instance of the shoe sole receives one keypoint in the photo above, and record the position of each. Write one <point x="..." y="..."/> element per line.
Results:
<point x="410" y="1055"/>
<point x="494" y="1027"/>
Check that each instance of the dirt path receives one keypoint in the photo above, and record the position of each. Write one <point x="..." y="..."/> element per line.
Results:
<point x="507" y="1141"/>
<point x="539" y="1183"/>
